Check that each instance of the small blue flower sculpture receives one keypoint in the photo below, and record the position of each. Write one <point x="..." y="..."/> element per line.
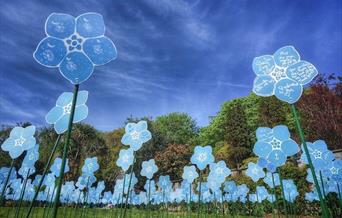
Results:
<point x="262" y="193"/>
<point x="282" y="74"/>
<point x="189" y="174"/>
<point x="202" y="157"/>
<point x="136" y="134"/>
<point x="75" y="45"/>
<point x="290" y="190"/>
<point x="60" y="114"/>
<point x="90" y="166"/>
<point x="56" y="166"/>
<point x="125" y="159"/>
<point x="255" y="172"/>
<point x="268" y="179"/>
<point x="20" y="140"/>
<point x="319" y="153"/>
<point x="334" y="170"/>
<point x="275" y="145"/>
<point x="219" y="171"/>
<point x="31" y="156"/>
<point x="149" y="168"/>
<point x="164" y="182"/>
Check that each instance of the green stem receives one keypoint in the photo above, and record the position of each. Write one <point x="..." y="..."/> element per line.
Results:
<point x="325" y="210"/>
<point x="129" y="184"/>
<point x="22" y="194"/>
<point x="199" y="194"/>
<point x="65" y="152"/>
<point x="275" y="194"/>
<point x="6" y="183"/>
<point x="283" y="193"/>
<point x="122" y="194"/>
<point x="47" y="167"/>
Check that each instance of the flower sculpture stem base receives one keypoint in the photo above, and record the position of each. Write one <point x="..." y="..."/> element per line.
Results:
<point x="65" y="151"/>
<point x="275" y="194"/>
<point x="22" y="194"/>
<point x="283" y="194"/>
<point x="6" y="183"/>
<point x="199" y="194"/>
<point x="325" y="210"/>
<point x="46" y="169"/>
<point x="129" y="184"/>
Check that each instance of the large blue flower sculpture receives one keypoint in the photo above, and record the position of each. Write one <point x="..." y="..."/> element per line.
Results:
<point x="90" y="166"/>
<point x="319" y="154"/>
<point x="75" y="45"/>
<point x="60" y="114"/>
<point x="275" y="145"/>
<point x="255" y="172"/>
<point x="136" y="134"/>
<point x="56" y="167"/>
<point x="125" y="159"/>
<point x="149" y="168"/>
<point x="202" y="156"/>
<point x="282" y="74"/>
<point x="189" y="174"/>
<point x="219" y="171"/>
<point x="20" y="140"/>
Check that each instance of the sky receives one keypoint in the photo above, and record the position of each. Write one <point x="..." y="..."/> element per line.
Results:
<point x="173" y="56"/>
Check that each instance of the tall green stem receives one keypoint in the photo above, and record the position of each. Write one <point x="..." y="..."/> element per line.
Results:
<point x="283" y="193"/>
<point x="122" y="194"/>
<point x="199" y="194"/>
<point x="47" y="167"/>
<point x="325" y="210"/>
<point x="275" y="194"/>
<point x="22" y="194"/>
<point x="65" y="152"/>
<point x="6" y="183"/>
<point x="129" y="184"/>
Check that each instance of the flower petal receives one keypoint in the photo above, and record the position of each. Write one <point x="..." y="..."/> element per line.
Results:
<point x="264" y="134"/>
<point x="320" y="145"/>
<point x="262" y="149"/>
<point x="50" y="52"/>
<point x="263" y="65"/>
<point x="290" y="147"/>
<point x="141" y="126"/>
<point x="60" y="25"/>
<point x="281" y="132"/>
<point x="54" y="114"/>
<point x="302" y="72"/>
<point x="286" y="56"/>
<point x="100" y="50"/>
<point x="16" y="132"/>
<point x="15" y="152"/>
<point x="145" y="136"/>
<point x="29" y="143"/>
<point x="277" y="157"/>
<point x="64" y="99"/>
<point x="62" y="124"/>
<point x="82" y="97"/>
<point x="81" y="112"/>
<point x="8" y="144"/>
<point x="264" y="85"/>
<point x="76" y="67"/>
<point x="29" y="131"/>
<point x="288" y="90"/>
<point x="90" y="25"/>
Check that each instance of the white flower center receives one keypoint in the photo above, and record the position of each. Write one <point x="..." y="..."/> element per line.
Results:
<point x="276" y="144"/>
<point x="202" y="157"/>
<point x="317" y="154"/>
<point x="149" y="169"/>
<point x="67" y="109"/>
<point x="19" y="142"/>
<point x="74" y="42"/>
<point x="334" y="170"/>
<point x="135" y="135"/>
<point x="125" y="158"/>
<point x="219" y="170"/>
<point x="278" y="73"/>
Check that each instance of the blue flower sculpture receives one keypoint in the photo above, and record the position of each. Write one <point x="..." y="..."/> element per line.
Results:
<point x="125" y="159"/>
<point x="189" y="174"/>
<point x="219" y="171"/>
<point x="319" y="154"/>
<point x="275" y="145"/>
<point x="31" y="156"/>
<point x="75" y="45"/>
<point x="202" y="157"/>
<point x="56" y="166"/>
<point x="164" y="182"/>
<point x="149" y="168"/>
<point x="255" y="172"/>
<point x="136" y="134"/>
<point x="334" y="170"/>
<point x="90" y="166"/>
<point x="290" y="190"/>
<point x="282" y="74"/>
<point x="20" y="140"/>
<point x="269" y="181"/>
<point x="60" y="114"/>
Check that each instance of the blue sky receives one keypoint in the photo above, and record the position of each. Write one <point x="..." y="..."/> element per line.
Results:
<point x="173" y="56"/>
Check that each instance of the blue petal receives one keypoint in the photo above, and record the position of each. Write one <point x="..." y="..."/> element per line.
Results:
<point x="277" y="157"/>
<point x="320" y="145"/>
<point x="126" y="139"/>
<point x="8" y="144"/>
<point x="82" y="97"/>
<point x="76" y="67"/>
<point x="60" y="25"/>
<point x="286" y="56"/>
<point x="263" y="65"/>
<point x="64" y="99"/>
<point x="62" y="124"/>
<point x="281" y="132"/>
<point x="288" y="90"/>
<point x="29" y="131"/>
<point x="262" y="149"/>
<point x="264" y="134"/>
<point x="54" y="114"/>
<point x="29" y="143"/>
<point x="289" y="147"/>
<point x="145" y="136"/>
<point x="141" y="126"/>
<point x="81" y="112"/>
<point x="50" y="52"/>
<point x="15" y="151"/>
<point x="302" y="72"/>
<point x="264" y="85"/>
<point x="16" y="132"/>
<point x="90" y="25"/>
<point x="100" y="50"/>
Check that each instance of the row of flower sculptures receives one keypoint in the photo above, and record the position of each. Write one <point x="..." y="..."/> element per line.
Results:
<point x="75" y="46"/>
